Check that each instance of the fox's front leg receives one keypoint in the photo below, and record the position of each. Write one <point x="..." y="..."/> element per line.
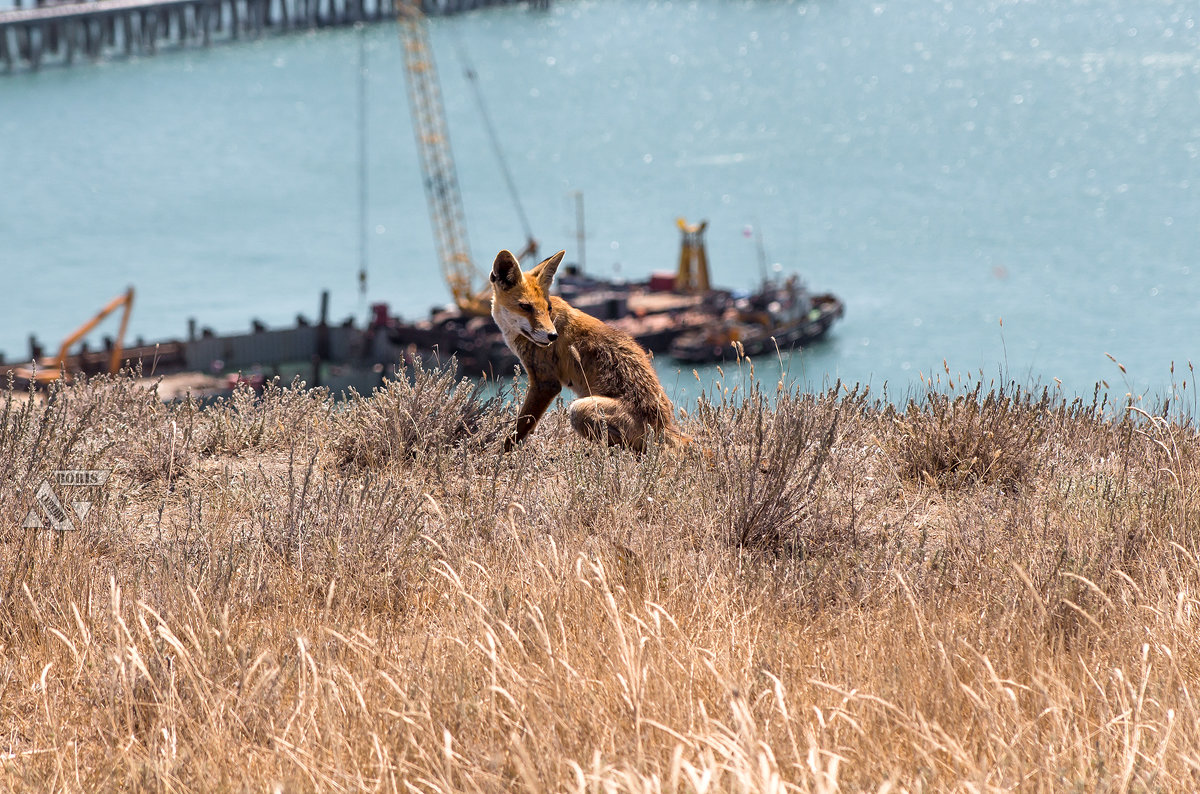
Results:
<point x="537" y="400"/>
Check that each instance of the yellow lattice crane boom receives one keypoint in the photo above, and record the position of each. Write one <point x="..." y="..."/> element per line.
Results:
<point x="446" y="213"/>
<point x="467" y="283"/>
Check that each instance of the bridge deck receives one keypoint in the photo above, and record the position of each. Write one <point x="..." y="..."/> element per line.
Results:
<point x="91" y="9"/>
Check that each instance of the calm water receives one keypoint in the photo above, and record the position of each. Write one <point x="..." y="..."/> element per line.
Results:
<point x="940" y="166"/>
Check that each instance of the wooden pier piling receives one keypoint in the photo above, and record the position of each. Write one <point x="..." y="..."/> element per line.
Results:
<point x="70" y="32"/>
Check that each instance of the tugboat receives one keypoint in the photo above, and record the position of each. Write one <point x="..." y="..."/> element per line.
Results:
<point x="784" y="316"/>
<point x="780" y="315"/>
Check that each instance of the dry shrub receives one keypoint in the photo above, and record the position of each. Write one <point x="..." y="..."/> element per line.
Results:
<point x="271" y="420"/>
<point x="112" y="417"/>
<point x="950" y="440"/>
<point x="419" y="411"/>
<point x="315" y="519"/>
<point x="584" y="488"/>
<point x="148" y="440"/>
<point x="767" y="461"/>
<point x="37" y="435"/>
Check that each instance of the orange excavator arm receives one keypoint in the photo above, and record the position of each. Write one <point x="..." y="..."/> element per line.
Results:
<point x="49" y="369"/>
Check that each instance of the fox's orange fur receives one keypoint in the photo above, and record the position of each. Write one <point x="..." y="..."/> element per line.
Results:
<point x="620" y="398"/>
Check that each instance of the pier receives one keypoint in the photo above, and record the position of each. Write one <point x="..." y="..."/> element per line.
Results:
<point x="65" y="33"/>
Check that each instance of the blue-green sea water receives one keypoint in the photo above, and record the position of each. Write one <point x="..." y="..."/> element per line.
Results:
<point x="1006" y="186"/>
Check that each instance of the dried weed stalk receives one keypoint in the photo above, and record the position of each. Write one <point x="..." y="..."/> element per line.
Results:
<point x="290" y="611"/>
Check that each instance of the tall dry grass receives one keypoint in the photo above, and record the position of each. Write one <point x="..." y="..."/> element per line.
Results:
<point x="984" y="590"/>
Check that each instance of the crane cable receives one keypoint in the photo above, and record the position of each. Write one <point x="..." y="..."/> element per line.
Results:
<point x="473" y="79"/>
<point x="362" y="160"/>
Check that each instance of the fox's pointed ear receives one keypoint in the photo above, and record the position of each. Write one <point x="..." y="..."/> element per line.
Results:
<point x="546" y="269"/>
<point x="506" y="273"/>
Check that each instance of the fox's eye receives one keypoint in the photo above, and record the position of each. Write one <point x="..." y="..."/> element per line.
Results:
<point x="526" y="307"/>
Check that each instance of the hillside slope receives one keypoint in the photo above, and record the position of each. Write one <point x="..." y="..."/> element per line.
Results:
<point x="986" y="591"/>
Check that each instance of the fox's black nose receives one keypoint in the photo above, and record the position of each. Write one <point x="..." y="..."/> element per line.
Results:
<point x="552" y="336"/>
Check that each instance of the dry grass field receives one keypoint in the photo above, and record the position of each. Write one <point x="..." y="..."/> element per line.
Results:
<point x="990" y="590"/>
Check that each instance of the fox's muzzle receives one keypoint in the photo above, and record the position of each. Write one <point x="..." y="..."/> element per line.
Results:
<point x="542" y="338"/>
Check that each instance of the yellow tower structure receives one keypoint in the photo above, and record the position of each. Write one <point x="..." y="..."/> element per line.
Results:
<point x="693" y="259"/>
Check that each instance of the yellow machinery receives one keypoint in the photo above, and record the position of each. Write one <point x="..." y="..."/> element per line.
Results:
<point x="52" y="368"/>
<point x="693" y="259"/>
<point x="467" y="284"/>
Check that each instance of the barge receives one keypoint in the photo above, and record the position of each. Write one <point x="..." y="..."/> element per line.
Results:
<point x="675" y="314"/>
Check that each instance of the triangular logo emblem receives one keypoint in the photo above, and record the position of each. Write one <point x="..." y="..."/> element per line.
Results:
<point x="56" y="514"/>
<point x="48" y="511"/>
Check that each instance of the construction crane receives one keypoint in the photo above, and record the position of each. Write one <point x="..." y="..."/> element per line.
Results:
<point x="52" y="368"/>
<point x="467" y="283"/>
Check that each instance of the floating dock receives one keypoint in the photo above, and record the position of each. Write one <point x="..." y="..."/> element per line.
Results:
<point x="334" y="355"/>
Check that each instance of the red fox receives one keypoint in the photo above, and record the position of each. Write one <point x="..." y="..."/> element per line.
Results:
<point x="620" y="398"/>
